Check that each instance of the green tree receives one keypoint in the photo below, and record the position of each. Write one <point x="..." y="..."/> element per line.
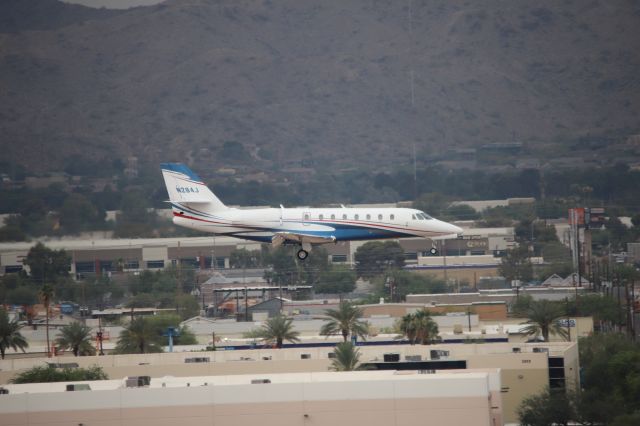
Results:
<point x="547" y="408"/>
<point x="76" y="337"/>
<point x="10" y="336"/>
<point x="516" y="265"/>
<point x="336" y="280"/>
<point x="46" y="297"/>
<point x="521" y="305"/>
<point x="346" y="320"/>
<point x="376" y="257"/>
<point x="610" y="376"/>
<point x="276" y="330"/>
<point x="78" y="214"/>
<point x="187" y="306"/>
<point x="418" y="327"/>
<point x="408" y="282"/>
<point x="139" y="336"/>
<point x="347" y="357"/>
<point x="243" y="258"/>
<point x="543" y="320"/>
<point x="46" y="264"/>
<point x="314" y="266"/>
<point x="284" y="270"/>
<point x="23" y="295"/>
<point x="47" y="374"/>
<point x="160" y="323"/>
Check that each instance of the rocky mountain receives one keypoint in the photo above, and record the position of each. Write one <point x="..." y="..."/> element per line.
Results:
<point x="331" y="84"/>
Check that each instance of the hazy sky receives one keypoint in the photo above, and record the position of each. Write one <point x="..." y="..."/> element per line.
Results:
<point x="114" y="4"/>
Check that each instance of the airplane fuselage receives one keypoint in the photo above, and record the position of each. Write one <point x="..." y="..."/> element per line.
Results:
<point x="339" y="224"/>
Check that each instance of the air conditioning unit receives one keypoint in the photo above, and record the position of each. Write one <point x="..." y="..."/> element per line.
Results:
<point x="78" y="387"/>
<point x="438" y="354"/>
<point x="391" y="357"/>
<point x="331" y="355"/>
<point x="457" y="329"/>
<point x="138" y="381"/>
<point x="196" y="360"/>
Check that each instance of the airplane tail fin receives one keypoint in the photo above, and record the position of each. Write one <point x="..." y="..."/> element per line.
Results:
<point x="184" y="186"/>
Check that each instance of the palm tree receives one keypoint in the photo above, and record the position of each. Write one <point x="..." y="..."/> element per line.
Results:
<point x="418" y="327"/>
<point x="543" y="320"/>
<point x="276" y="330"/>
<point x="77" y="337"/>
<point x="347" y="357"/>
<point x="138" y="337"/>
<point x="345" y="320"/>
<point x="46" y="297"/>
<point x="10" y="336"/>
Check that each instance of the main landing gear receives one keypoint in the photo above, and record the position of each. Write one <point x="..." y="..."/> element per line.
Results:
<point x="433" y="251"/>
<point x="302" y="254"/>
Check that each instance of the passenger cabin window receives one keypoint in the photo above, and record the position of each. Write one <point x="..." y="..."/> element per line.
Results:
<point x="306" y="216"/>
<point x="333" y="216"/>
<point x="344" y="216"/>
<point x="356" y="217"/>
<point x="321" y="216"/>
<point x="368" y="217"/>
<point x="392" y="217"/>
<point x="379" y="217"/>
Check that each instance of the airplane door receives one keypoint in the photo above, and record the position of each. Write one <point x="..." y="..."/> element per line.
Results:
<point x="306" y="216"/>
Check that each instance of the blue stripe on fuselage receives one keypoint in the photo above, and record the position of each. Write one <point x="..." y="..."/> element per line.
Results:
<point x="342" y="234"/>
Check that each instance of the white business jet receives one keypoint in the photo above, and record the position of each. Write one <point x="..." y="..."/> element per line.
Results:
<point x="196" y="207"/>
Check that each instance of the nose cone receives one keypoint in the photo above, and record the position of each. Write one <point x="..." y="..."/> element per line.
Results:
<point x="449" y="229"/>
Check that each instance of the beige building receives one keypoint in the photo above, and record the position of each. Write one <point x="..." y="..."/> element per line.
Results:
<point x="372" y="398"/>
<point x="525" y="368"/>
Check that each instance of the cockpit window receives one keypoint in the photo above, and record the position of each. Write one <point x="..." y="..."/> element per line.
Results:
<point x="413" y="216"/>
<point x="424" y="216"/>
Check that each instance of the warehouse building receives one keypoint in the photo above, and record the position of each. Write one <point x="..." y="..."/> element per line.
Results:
<point x="525" y="368"/>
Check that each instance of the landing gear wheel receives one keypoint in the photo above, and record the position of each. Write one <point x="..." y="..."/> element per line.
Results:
<point x="433" y="251"/>
<point x="302" y="254"/>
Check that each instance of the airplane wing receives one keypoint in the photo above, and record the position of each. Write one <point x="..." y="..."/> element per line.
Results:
<point x="280" y="238"/>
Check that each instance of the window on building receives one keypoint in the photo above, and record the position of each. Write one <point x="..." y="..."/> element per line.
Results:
<point x="106" y="265"/>
<point x="12" y="269"/>
<point x="85" y="267"/>
<point x="411" y="255"/>
<point x="131" y="264"/>
<point x="339" y="258"/>
<point x="155" y="264"/>
<point x="477" y="252"/>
